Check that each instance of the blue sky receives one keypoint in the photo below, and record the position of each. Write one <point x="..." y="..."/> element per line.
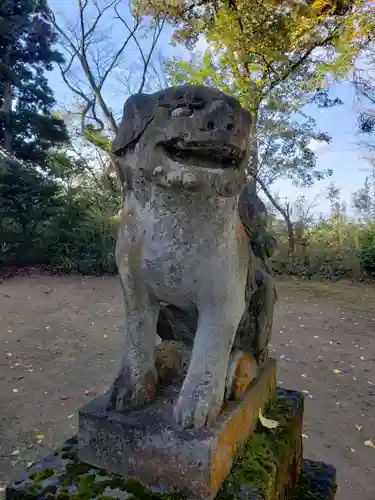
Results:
<point x="343" y="156"/>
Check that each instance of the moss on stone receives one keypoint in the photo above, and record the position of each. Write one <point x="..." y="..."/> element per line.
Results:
<point x="258" y="462"/>
<point x="305" y="490"/>
<point x="42" y="474"/>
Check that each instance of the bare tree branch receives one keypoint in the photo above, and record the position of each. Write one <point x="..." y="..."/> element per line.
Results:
<point x="85" y="45"/>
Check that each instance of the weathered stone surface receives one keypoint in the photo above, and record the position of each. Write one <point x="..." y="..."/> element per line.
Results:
<point x="147" y="444"/>
<point x="191" y="238"/>
<point x="62" y="476"/>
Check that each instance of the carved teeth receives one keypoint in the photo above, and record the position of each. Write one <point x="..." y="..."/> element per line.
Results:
<point x="212" y="153"/>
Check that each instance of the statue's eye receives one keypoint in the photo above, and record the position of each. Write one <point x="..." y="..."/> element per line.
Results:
<point x="182" y="111"/>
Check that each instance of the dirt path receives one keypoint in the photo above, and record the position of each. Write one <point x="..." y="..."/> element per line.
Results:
<point x="60" y="341"/>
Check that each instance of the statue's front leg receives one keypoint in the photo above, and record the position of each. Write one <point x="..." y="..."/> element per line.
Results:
<point x="201" y="396"/>
<point x="137" y="379"/>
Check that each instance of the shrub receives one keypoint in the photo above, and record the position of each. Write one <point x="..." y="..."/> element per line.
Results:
<point x="367" y="253"/>
<point x="44" y="224"/>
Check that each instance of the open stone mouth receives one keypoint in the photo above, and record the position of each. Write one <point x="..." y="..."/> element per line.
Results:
<point x="205" y="155"/>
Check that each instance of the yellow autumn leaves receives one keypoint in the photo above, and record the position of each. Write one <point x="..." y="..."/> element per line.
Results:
<point x="267" y="422"/>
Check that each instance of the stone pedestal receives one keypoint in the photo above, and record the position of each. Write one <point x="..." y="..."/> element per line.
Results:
<point x="148" y="445"/>
<point x="270" y="467"/>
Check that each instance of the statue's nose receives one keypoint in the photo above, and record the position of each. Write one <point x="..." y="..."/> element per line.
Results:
<point x="218" y="116"/>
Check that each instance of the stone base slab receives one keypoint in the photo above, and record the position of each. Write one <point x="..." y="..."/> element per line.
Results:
<point x="147" y="444"/>
<point x="270" y="467"/>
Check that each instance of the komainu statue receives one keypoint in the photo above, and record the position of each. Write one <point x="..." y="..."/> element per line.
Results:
<point x="192" y="246"/>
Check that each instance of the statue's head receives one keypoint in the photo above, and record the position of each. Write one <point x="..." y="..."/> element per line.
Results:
<point x="187" y="137"/>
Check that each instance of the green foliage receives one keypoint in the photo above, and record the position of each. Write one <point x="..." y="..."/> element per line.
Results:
<point x="330" y="247"/>
<point x="80" y="240"/>
<point x="27" y="199"/>
<point x="335" y="249"/>
<point x="27" y="125"/>
<point x="260" y="46"/>
<point x="367" y="252"/>
<point x="95" y="136"/>
<point x="59" y="226"/>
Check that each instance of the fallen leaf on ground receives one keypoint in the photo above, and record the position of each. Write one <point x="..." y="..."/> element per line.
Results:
<point x="362" y="358"/>
<point x="267" y="422"/>
<point x="369" y="443"/>
<point x="358" y="427"/>
<point x="336" y="371"/>
<point x="90" y="393"/>
<point x="40" y="436"/>
<point x="15" y="453"/>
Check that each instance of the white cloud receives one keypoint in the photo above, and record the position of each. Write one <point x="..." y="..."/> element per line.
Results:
<point x="318" y="147"/>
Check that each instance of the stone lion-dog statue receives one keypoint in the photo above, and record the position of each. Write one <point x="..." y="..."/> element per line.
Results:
<point x="184" y="244"/>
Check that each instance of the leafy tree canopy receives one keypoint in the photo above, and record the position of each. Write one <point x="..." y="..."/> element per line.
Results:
<point x="267" y="49"/>
<point x="28" y="128"/>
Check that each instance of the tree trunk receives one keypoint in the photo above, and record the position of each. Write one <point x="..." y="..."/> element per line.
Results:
<point x="254" y="153"/>
<point x="6" y="109"/>
<point x="285" y="214"/>
<point x="291" y="237"/>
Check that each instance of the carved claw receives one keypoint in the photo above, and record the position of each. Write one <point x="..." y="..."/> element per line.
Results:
<point x="199" y="403"/>
<point x="125" y="394"/>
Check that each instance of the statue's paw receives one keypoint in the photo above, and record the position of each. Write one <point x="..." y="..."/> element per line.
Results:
<point x="125" y="394"/>
<point x="198" y="404"/>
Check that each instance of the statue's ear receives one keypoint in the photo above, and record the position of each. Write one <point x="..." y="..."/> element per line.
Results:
<point x="138" y="113"/>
